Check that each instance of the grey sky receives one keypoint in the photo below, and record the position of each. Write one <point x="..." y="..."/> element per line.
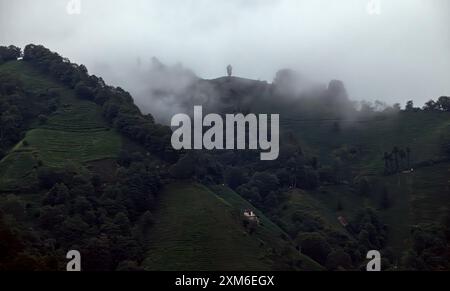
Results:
<point x="402" y="53"/>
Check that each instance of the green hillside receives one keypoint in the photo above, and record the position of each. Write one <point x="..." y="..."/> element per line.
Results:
<point x="195" y="228"/>
<point x="80" y="166"/>
<point x="421" y="131"/>
<point x="83" y="168"/>
<point x="419" y="197"/>
<point x="75" y="133"/>
<point x="198" y="229"/>
<point x="422" y="196"/>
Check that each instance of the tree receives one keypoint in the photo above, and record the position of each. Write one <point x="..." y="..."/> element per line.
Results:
<point x="11" y="243"/>
<point x="431" y="105"/>
<point x="445" y="145"/>
<point x="50" y="217"/>
<point x="339" y="170"/>
<point x="315" y="163"/>
<point x="338" y="258"/>
<point x="311" y="180"/>
<point x="395" y="153"/>
<point x="408" y="156"/>
<point x="59" y="194"/>
<point x="42" y="119"/>
<point x="412" y="261"/>
<point x="234" y="177"/>
<point x="72" y="229"/>
<point x="265" y="182"/>
<point x="124" y="158"/>
<point x="9" y="53"/>
<point x="385" y="201"/>
<point x="97" y="254"/>
<point x="283" y="176"/>
<point x="11" y="121"/>
<point x="271" y="200"/>
<point x="139" y="184"/>
<point x="402" y="155"/>
<point x="339" y="206"/>
<point x="369" y="229"/>
<point x="83" y="91"/>
<point x="386" y="163"/>
<point x="81" y="205"/>
<point x="185" y="167"/>
<point x="314" y="246"/>
<point x="14" y="205"/>
<point x="122" y="221"/>
<point x="82" y="186"/>
<point x="444" y="103"/>
<point x="337" y="92"/>
<point x="146" y="221"/>
<point x="48" y="177"/>
<point x="364" y="187"/>
<point x="446" y="224"/>
<point x="409" y="106"/>
<point x="429" y="243"/>
<point x="250" y="193"/>
<point x="101" y="96"/>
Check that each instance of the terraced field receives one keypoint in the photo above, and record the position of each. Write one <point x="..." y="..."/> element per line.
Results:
<point x="75" y="133"/>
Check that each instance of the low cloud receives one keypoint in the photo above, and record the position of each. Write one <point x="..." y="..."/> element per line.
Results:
<point x="400" y="54"/>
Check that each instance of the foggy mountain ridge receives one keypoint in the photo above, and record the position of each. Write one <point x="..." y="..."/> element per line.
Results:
<point x="398" y="55"/>
<point x="168" y="90"/>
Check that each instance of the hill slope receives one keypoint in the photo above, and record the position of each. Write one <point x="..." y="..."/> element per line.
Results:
<point x="198" y="229"/>
<point x="75" y="133"/>
<point x="421" y="196"/>
<point x="372" y="136"/>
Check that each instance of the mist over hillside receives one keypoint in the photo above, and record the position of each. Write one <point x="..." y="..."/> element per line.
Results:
<point x="165" y="91"/>
<point x="397" y="55"/>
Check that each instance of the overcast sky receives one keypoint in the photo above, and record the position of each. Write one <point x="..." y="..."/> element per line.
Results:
<point x="396" y="53"/>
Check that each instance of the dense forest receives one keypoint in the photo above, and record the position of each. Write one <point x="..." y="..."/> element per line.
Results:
<point x="105" y="207"/>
